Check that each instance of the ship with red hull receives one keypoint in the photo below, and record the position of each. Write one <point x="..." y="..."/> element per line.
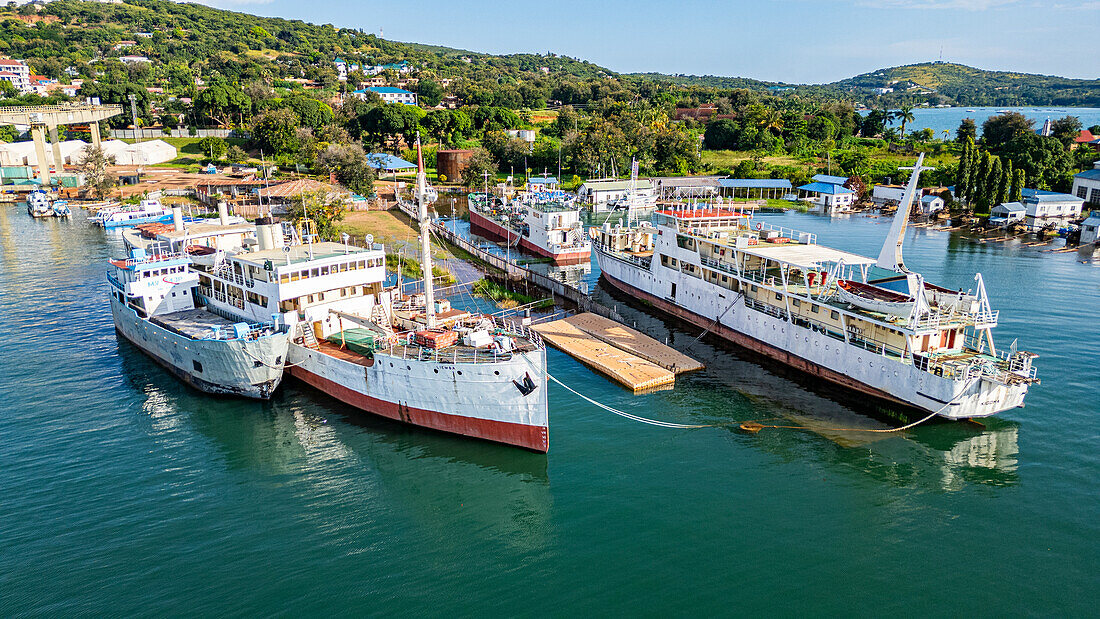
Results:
<point x="410" y="358"/>
<point x="543" y="221"/>
<point x="869" y="325"/>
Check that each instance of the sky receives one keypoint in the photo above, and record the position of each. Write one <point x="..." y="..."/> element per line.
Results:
<point x="797" y="41"/>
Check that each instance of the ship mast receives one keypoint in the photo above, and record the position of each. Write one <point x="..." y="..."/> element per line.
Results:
<point x="890" y="257"/>
<point x="425" y="243"/>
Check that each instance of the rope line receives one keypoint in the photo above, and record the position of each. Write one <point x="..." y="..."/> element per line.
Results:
<point x="747" y="426"/>
<point x="707" y="330"/>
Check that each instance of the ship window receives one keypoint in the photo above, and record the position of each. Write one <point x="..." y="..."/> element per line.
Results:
<point x="324" y="270"/>
<point x="314" y="272"/>
<point x="295" y="276"/>
<point x="754" y="288"/>
<point x="196" y="365"/>
<point x="814" y="308"/>
<point x="834" y="315"/>
<point x="778" y="296"/>
<point x="796" y="303"/>
<point x="284" y="278"/>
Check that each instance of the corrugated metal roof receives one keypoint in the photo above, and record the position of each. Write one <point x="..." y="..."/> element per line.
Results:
<point x="1010" y="207"/>
<point x="827" y="188"/>
<point x="542" y="180"/>
<point x="386" y="161"/>
<point x="1091" y="175"/>
<point x="754" y="183"/>
<point x="834" y="180"/>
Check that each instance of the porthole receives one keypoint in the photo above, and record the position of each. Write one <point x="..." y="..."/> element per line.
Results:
<point x="436" y="370"/>
<point x="391" y="364"/>
<point x="408" y="367"/>
<point x="497" y="372"/>
<point x="859" y="359"/>
<point x="460" y="372"/>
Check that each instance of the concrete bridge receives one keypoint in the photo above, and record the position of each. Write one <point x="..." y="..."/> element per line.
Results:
<point x="49" y="117"/>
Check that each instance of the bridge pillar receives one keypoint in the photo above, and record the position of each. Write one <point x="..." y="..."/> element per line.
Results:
<point x="58" y="160"/>
<point x="94" y="126"/>
<point x="38" y="133"/>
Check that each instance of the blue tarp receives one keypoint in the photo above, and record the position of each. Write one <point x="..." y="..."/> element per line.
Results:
<point x="385" y="161"/>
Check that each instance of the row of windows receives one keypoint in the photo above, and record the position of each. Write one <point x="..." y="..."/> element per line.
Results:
<point x="294" y="276"/>
<point x="160" y="272"/>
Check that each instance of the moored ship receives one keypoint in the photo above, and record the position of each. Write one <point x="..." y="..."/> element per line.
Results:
<point x="871" y="326"/>
<point x="544" y="222"/>
<point x="154" y="306"/>
<point x="410" y="358"/>
<point x="147" y="211"/>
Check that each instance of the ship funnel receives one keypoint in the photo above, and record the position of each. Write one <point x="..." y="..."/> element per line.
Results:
<point x="177" y="218"/>
<point x="268" y="235"/>
<point x="223" y="213"/>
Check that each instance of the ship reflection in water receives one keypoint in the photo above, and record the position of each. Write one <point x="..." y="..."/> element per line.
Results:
<point x="353" y="474"/>
<point x="744" y="386"/>
<point x="578" y="276"/>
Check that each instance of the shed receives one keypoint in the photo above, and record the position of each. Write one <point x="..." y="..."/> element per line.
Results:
<point x="1090" y="228"/>
<point x="1007" y="212"/>
<point x="746" y="186"/>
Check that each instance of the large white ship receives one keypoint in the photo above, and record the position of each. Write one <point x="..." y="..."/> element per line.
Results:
<point x="869" y="325"/>
<point x="154" y="307"/>
<point x="406" y="357"/>
<point x="543" y="221"/>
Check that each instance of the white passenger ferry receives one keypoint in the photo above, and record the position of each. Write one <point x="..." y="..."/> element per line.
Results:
<point x="406" y="357"/>
<point x="155" y="308"/>
<point x="868" y="325"/>
<point x="543" y="221"/>
<point x="148" y="211"/>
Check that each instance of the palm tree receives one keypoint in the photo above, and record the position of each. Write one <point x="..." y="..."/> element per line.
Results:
<point x="905" y="115"/>
<point x="946" y="134"/>
<point x="772" y="121"/>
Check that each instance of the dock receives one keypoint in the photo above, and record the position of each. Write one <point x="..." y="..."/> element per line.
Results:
<point x="632" y="359"/>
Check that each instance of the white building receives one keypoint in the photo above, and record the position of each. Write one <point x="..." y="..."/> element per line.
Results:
<point x="1090" y="228"/>
<point x="1047" y="208"/>
<point x="389" y="94"/>
<point x="1007" y="213"/>
<point x="133" y="59"/>
<point x="827" y="197"/>
<point x="17" y="72"/>
<point x="882" y="194"/>
<point x="1086" y="185"/>
<point x="599" y="193"/>
<point x="930" y="204"/>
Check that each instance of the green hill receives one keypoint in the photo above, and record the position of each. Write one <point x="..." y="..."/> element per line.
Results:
<point x="963" y="85"/>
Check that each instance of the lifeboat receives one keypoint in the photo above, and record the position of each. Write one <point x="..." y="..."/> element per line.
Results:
<point x="873" y="298"/>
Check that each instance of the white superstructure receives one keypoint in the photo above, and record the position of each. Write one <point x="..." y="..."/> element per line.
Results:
<point x="869" y="325"/>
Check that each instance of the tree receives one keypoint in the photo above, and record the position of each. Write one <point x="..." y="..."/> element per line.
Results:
<point x="222" y="102"/>
<point x="213" y="146"/>
<point x="676" y="150"/>
<point x="874" y="123"/>
<point x="326" y="208"/>
<point x="1004" y="183"/>
<point x="721" y="134"/>
<point x="236" y="154"/>
<point x="982" y="193"/>
<point x="311" y="112"/>
<point x="429" y="92"/>
<point x="8" y="90"/>
<point x="905" y="115"/>
<point x="962" y="174"/>
<point x="349" y="164"/>
<point x="967" y="129"/>
<point x="275" y="131"/>
<point x="1066" y="130"/>
<point x="1016" y="192"/>
<point x="996" y="181"/>
<point x="480" y="163"/>
<point x="1001" y="129"/>
<point x="94" y="168"/>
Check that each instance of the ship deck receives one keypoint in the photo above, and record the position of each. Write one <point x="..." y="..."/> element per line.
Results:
<point x="197" y="324"/>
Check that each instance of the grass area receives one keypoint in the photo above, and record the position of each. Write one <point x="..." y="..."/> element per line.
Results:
<point x="503" y="297"/>
<point x="730" y="158"/>
<point x="411" y="269"/>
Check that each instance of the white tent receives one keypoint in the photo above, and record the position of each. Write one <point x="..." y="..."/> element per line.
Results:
<point x="144" y="153"/>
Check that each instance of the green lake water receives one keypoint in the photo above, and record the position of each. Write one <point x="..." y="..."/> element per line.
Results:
<point x="124" y="492"/>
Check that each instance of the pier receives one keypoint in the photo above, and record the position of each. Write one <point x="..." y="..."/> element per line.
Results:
<point x="630" y="358"/>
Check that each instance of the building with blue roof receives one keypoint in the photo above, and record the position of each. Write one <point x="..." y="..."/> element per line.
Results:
<point x="1086" y="185"/>
<point x="1050" y="209"/>
<point x="1007" y="213"/>
<point x="543" y="181"/>
<point x="827" y="197"/>
<point x="389" y="94"/>
<point x="832" y="180"/>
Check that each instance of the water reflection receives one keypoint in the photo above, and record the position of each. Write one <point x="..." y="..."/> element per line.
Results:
<point x="740" y="386"/>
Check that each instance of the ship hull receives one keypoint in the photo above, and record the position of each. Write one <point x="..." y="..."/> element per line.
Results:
<point x="477" y="400"/>
<point x="483" y="226"/>
<point x="223" y="367"/>
<point x="901" y="391"/>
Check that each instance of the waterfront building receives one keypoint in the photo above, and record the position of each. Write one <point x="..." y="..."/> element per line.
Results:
<point x="17" y="72"/>
<point x="1008" y="212"/>
<point x="827" y="197"/>
<point x="1050" y="209"/>
<point x="1086" y="185"/>
<point x="599" y="193"/>
<point x="1090" y="228"/>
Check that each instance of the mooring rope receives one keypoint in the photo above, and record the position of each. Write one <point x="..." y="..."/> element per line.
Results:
<point x="747" y="426"/>
<point x="712" y="325"/>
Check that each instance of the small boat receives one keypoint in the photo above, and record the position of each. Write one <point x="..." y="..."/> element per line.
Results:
<point x="39" y="204"/>
<point x="148" y="211"/>
<point x="873" y="298"/>
<point x="61" y="209"/>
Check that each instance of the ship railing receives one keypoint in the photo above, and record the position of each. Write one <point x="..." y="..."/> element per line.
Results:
<point x="938" y="320"/>
<point x="513" y="328"/>
<point x="255" y="331"/>
<point x="636" y="260"/>
<point x="718" y="264"/>
<point x="454" y="354"/>
<point x="788" y="233"/>
<point x="156" y="258"/>
<point x="767" y="308"/>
